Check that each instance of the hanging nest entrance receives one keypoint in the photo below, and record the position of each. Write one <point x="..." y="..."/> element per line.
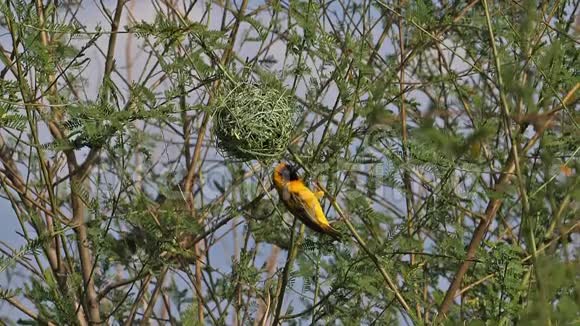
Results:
<point x="254" y="122"/>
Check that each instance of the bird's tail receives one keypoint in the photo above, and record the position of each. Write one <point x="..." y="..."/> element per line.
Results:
<point x="334" y="233"/>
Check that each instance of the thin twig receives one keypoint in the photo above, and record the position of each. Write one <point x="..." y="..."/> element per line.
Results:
<point x="491" y="211"/>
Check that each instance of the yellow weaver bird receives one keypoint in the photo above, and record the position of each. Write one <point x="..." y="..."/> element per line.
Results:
<point x="300" y="200"/>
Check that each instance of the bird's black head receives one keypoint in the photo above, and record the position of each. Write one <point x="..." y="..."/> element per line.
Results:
<point x="288" y="172"/>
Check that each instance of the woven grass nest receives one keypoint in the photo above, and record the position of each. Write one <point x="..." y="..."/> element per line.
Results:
<point x="253" y="122"/>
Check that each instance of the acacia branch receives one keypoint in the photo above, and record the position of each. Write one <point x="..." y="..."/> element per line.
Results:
<point x="153" y="299"/>
<point x="20" y="306"/>
<point x="493" y="207"/>
<point x="283" y="281"/>
<point x="390" y="283"/>
<point x="78" y="206"/>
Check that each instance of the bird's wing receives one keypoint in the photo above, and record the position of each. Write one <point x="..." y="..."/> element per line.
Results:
<point x="304" y="205"/>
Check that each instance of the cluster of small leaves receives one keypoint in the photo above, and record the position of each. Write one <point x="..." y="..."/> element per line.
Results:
<point x="49" y="301"/>
<point x="11" y="118"/>
<point x="558" y="297"/>
<point x="33" y="246"/>
<point x="203" y="44"/>
<point x="341" y="64"/>
<point x="151" y="232"/>
<point x="38" y="57"/>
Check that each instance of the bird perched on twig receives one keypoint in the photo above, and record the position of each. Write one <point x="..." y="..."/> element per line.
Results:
<point x="300" y="200"/>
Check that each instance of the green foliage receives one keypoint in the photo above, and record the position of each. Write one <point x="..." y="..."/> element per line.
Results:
<point x="557" y="298"/>
<point x="50" y="301"/>
<point x="445" y="135"/>
<point x="32" y="247"/>
<point x="188" y="316"/>
<point x="11" y="119"/>
<point x="263" y="230"/>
